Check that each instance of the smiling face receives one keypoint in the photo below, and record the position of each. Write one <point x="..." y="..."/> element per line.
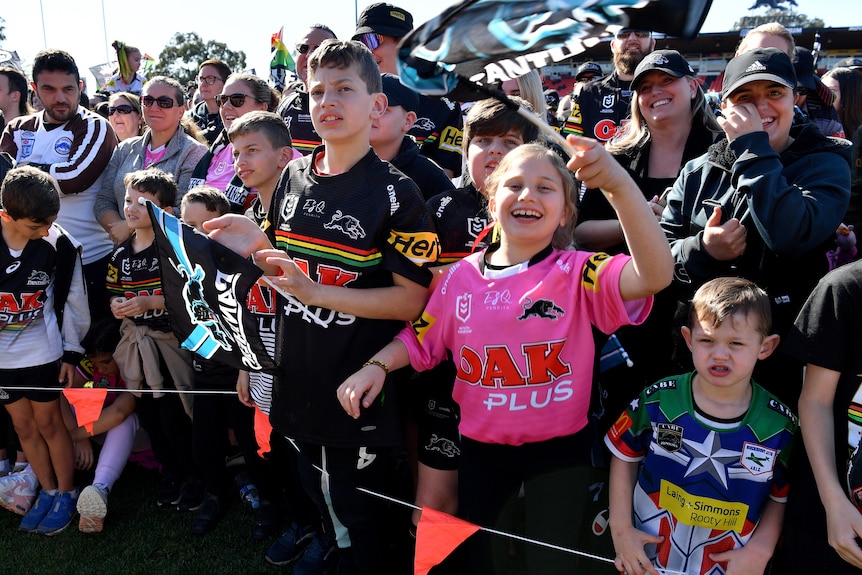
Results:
<point x="724" y="356"/>
<point x="529" y="204"/>
<point x="125" y="125"/>
<point x="228" y="111"/>
<point x="661" y="97"/>
<point x="341" y="107"/>
<point x="60" y="93"/>
<point x="162" y="120"/>
<point x="629" y="51"/>
<point x="312" y="39"/>
<point x="774" y="103"/>
<point x="135" y="212"/>
<point x="484" y="153"/>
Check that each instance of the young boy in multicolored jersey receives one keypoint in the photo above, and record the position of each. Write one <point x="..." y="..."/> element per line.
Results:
<point x="135" y="286"/>
<point x="705" y="453"/>
<point x="353" y="235"/>
<point x="44" y="316"/>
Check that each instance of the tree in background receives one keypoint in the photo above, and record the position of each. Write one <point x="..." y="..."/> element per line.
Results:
<point x="181" y="56"/>
<point x="2" y="29"/>
<point x="787" y="18"/>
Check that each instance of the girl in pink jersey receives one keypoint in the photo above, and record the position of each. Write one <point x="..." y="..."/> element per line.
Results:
<point x="517" y="320"/>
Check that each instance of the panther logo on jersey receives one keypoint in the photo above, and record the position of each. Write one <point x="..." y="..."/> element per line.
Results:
<point x="347" y="224"/>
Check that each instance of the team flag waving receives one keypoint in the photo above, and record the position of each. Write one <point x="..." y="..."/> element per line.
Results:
<point x="281" y="61"/>
<point x="206" y="286"/>
<point x="486" y="41"/>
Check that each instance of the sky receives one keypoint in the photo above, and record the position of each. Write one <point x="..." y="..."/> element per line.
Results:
<point x="80" y="28"/>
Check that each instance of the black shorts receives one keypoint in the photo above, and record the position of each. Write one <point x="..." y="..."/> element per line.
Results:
<point x="429" y="394"/>
<point x="42" y="376"/>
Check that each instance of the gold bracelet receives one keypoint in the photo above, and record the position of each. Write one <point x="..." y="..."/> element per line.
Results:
<point x="378" y="363"/>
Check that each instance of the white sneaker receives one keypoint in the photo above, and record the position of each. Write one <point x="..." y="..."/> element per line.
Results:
<point x="18" y="491"/>
<point x="92" y="507"/>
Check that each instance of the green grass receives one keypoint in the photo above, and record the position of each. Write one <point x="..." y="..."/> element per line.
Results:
<point x="138" y="538"/>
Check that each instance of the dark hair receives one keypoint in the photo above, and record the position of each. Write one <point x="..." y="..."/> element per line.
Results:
<point x="723" y="297"/>
<point x="30" y="193"/>
<point x="179" y="91"/>
<point x="153" y="181"/>
<point x="269" y="124"/>
<point x="223" y="69"/>
<point x="103" y="336"/>
<point x="850" y="103"/>
<point x="17" y="83"/>
<point x="325" y="28"/>
<point x="211" y="197"/>
<point x="54" y="61"/>
<point x="344" y="54"/>
<point x="491" y="117"/>
<point x="260" y="89"/>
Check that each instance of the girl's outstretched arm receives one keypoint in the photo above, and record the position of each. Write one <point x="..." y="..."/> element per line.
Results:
<point x="651" y="267"/>
<point x="365" y="385"/>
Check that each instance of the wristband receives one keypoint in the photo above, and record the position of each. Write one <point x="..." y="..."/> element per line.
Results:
<point x="378" y="363"/>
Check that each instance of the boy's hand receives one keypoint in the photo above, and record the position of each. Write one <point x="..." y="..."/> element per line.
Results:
<point x="747" y="560"/>
<point x="594" y="166"/>
<point x="292" y="279"/>
<point x="725" y="241"/>
<point x="363" y="386"/>
<point x="242" y="389"/>
<point x="631" y="557"/>
<point x="237" y="233"/>
<point x="844" y="528"/>
<point x="133" y="306"/>
<point x="67" y="374"/>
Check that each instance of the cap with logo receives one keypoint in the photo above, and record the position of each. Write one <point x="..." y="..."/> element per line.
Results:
<point x="670" y="62"/>
<point x="552" y="98"/>
<point x="761" y="64"/>
<point x="386" y="19"/>
<point x="588" y="68"/>
<point x="398" y="94"/>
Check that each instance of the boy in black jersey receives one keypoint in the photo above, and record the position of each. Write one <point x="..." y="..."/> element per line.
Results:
<point x="43" y="315"/>
<point x="149" y="353"/>
<point x="354" y="236"/>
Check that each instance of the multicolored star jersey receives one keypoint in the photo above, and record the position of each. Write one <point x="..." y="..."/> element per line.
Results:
<point x="702" y="484"/>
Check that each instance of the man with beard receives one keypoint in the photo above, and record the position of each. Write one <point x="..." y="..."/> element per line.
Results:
<point x="600" y="107"/>
<point x="73" y="145"/>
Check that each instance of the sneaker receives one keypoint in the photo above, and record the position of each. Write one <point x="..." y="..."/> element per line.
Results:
<point x="92" y="507"/>
<point x="169" y="491"/>
<point x="267" y="521"/>
<point x="318" y="558"/>
<point x="60" y="516"/>
<point x="18" y="491"/>
<point x="5" y="468"/>
<point x="290" y="545"/>
<point x="44" y="503"/>
<point x="211" y="511"/>
<point x="191" y="495"/>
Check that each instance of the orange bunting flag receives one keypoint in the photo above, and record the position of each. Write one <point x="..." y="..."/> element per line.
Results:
<point x="88" y="404"/>
<point x="437" y="535"/>
<point x="262" y="431"/>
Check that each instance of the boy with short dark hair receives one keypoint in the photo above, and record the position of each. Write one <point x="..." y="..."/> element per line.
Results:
<point x="202" y="203"/>
<point x="705" y="453"/>
<point x="135" y="286"/>
<point x="358" y="235"/>
<point x="45" y="316"/>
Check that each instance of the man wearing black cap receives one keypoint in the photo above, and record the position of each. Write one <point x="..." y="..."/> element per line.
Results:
<point x="813" y="97"/>
<point x="438" y="124"/>
<point x="600" y="107"/>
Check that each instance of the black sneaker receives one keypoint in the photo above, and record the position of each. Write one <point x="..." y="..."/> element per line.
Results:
<point x="169" y="491"/>
<point x="211" y="511"/>
<point x="319" y="557"/>
<point x="267" y="521"/>
<point x="290" y="545"/>
<point x="191" y="495"/>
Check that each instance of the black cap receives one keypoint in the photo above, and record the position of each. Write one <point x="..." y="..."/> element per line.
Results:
<point x="386" y="19"/>
<point x="670" y="62"/>
<point x="552" y="98"/>
<point x="588" y="68"/>
<point x="398" y="94"/>
<point x="760" y="64"/>
<point x="848" y="63"/>
<point x="803" y="63"/>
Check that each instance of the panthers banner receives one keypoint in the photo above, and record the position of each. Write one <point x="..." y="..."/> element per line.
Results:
<point x="205" y="286"/>
<point x="488" y="41"/>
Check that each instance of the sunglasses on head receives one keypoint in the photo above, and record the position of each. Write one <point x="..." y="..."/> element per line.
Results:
<point x="371" y="40"/>
<point x="209" y="80"/>
<point x="236" y="100"/>
<point x="162" y="101"/>
<point x="122" y="109"/>
<point x="640" y="34"/>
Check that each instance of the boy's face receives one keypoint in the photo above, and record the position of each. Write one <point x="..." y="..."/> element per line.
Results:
<point x="769" y="102"/>
<point x="484" y="153"/>
<point x="24" y="229"/>
<point x="392" y="125"/>
<point x="195" y="214"/>
<point x="725" y="356"/>
<point x="341" y="107"/>
<point x="256" y="161"/>
<point x="136" y="213"/>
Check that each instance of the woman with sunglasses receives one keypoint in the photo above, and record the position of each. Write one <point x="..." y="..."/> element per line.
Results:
<point x="169" y="143"/>
<point x="124" y="113"/>
<point x="242" y="93"/>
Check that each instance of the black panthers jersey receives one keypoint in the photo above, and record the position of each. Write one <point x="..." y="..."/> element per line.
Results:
<point x="460" y="217"/>
<point x="131" y="275"/>
<point x="599" y="109"/>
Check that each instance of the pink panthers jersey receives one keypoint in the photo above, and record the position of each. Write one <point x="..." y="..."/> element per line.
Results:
<point x="523" y="343"/>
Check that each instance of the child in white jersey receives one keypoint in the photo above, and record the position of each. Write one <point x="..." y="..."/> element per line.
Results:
<point x="517" y="319"/>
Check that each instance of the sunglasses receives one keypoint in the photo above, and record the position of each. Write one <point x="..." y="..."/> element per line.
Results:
<point x="209" y="80"/>
<point x="162" y="101"/>
<point x="236" y="100"/>
<point x="371" y="40"/>
<point x="640" y="34"/>
<point x="122" y="109"/>
<point x="306" y="49"/>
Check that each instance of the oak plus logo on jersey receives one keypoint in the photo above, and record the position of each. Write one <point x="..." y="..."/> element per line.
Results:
<point x="346" y="224"/>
